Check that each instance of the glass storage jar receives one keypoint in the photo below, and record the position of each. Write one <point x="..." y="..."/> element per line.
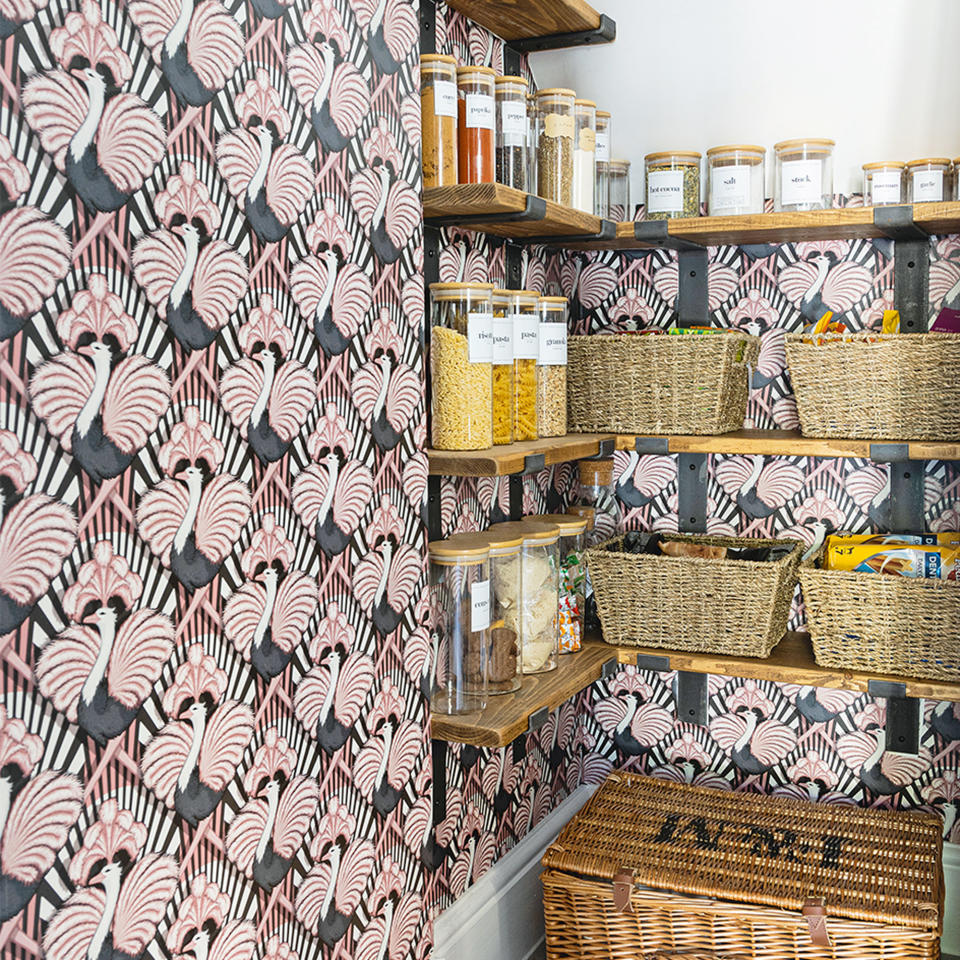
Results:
<point x="618" y="191"/>
<point x="803" y="177"/>
<point x="502" y="368"/>
<point x="597" y="493"/>
<point x="526" y="344"/>
<point x="460" y="612"/>
<point x="672" y="184"/>
<point x="552" y="367"/>
<point x="438" y="119"/>
<point x="883" y="183"/>
<point x="928" y="179"/>
<point x="956" y="178"/>
<point x="511" y="158"/>
<point x="540" y="596"/>
<point x="601" y="193"/>
<point x="531" y="143"/>
<point x="735" y="179"/>
<point x="461" y="365"/>
<point x="505" y="591"/>
<point x="555" y="137"/>
<point x="572" y="543"/>
<point x="584" y="154"/>
<point x="476" y="112"/>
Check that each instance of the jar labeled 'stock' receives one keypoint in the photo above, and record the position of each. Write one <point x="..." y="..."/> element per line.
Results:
<point x="573" y="570"/>
<point x="618" y="191"/>
<point x="673" y="184"/>
<point x="804" y="175"/>
<point x="552" y="367"/>
<point x="459" y="586"/>
<point x="555" y="139"/>
<point x="883" y="183"/>
<point x="540" y="598"/>
<point x="601" y="192"/>
<point x="928" y="179"/>
<point x="438" y="119"/>
<point x="735" y="180"/>
<point x="461" y="365"/>
<point x="511" y="159"/>
<point x="476" y="112"/>
<point x="584" y="154"/>
<point x="505" y="542"/>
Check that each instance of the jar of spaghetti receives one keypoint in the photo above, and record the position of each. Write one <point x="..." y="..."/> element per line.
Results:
<point x="555" y="138"/>
<point x="883" y="183"/>
<point x="618" y="189"/>
<point x="505" y="590"/>
<point x="928" y="180"/>
<point x="735" y="179"/>
<point x="573" y="570"/>
<point x="502" y="368"/>
<point x="673" y="184"/>
<point x="459" y="592"/>
<point x="461" y="365"/>
<point x="438" y="119"/>
<point x="476" y="110"/>
<point x="601" y="192"/>
<point x="526" y="345"/>
<point x="552" y="367"/>
<point x="584" y="154"/>
<point x="511" y="158"/>
<point x="539" y="598"/>
<point x="804" y="174"/>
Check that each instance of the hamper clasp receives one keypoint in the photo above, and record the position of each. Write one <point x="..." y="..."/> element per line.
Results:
<point x="816" y="914"/>
<point x="622" y="888"/>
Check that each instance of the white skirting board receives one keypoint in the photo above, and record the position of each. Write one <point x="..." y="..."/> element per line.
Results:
<point x="501" y="916"/>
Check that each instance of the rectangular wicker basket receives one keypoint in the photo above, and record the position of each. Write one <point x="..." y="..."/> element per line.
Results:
<point x="883" y="623"/>
<point x="648" y="865"/>
<point x="625" y="383"/>
<point x="735" y="607"/>
<point x="902" y="386"/>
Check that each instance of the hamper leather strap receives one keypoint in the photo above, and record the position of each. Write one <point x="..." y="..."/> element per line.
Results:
<point x="622" y="888"/>
<point x="816" y="914"/>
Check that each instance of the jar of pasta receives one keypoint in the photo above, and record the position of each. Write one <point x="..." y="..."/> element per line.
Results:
<point x="735" y="179"/>
<point x="928" y="179"/>
<point x="555" y="136"/>
<point x="803" y="177"/>
<point x="584" y="154"/>
<point x="459" y="592"/>
<point x="540" y="598"/>
<point x="505" y="542"/>
<point x="552" y="367"/>
<point x="601" y="191"/>
<point x="461" y="365"/>
<point x="573" y="571"/>
<point x="618" y="190"/>
<point x="883" y="183"/>
<point x="673" y="184"/>
<point x="476" y="111"/>
<point x="511" y="156"/>
<point x="503" y="333"/>
<point x="438" y="119"/>
<point x="526" y="344"/>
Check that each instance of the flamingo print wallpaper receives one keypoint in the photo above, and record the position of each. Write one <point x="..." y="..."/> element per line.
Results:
<point x="211" y="479"/>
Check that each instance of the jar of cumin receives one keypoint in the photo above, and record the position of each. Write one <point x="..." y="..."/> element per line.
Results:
<point x="438" y="119"/>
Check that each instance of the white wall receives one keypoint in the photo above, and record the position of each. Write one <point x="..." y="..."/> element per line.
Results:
<point x="881" y="77"/>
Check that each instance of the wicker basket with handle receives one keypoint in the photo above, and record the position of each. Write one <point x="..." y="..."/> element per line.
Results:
<point x="649" y="865"/>
<point x="625" y="383"/>
<point x="735" y="607"/>
<point x="882" y="623"/>
<point x="898" y="386"/>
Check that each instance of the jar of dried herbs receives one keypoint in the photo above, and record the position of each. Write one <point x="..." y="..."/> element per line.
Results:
<point x="476" y="111"/>
<point x="526" y="345"/>
<point x="461" y="365"/>
<point x="502" y="368"/>
<point x="552" y="367"/>
<point x="555" y="137"/>
<point x="438" y="119"/>
<point x="673" y="184"/>
<point x="511" y="93"/>
<point x="601" y="195"/>
<point x="618" y="191"/>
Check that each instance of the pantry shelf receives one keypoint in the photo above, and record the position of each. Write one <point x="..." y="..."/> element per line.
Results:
<point x="527" y="457"/>
<point x="507" y="717"/>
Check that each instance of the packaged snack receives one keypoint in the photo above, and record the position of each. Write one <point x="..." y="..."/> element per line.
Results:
<point x="677" y="548"/>
<point x="934" y="562"/>
<point x="907" y="539"/>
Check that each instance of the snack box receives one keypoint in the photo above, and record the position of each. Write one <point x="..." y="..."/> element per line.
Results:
<point x="934" y="562"/>
<point x="914" y="539"/>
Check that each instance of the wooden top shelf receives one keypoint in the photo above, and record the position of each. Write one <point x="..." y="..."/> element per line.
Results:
<point x="539" y="24"/>
<point x="527" y="457"/>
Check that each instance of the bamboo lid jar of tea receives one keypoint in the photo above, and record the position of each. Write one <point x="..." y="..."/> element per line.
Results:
<point x="673" y="184"/>
<point x="555" y="138"/>
<point x="476" y="112"/>
<point x="511" y="153"/>
<point x="438" y="119"/>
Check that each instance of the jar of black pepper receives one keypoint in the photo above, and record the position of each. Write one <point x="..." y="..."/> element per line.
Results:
<point x="511" y="150"/>
<point x="618" y="191"/>
<point x="601" y="196"/>
<point x="555" y="136"/>
<point x="673" y="184"/>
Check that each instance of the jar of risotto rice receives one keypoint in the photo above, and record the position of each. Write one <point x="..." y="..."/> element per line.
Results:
<point x="523" y="310"/>
<point x="461" y="365"/>
<point x="502" y="368"/>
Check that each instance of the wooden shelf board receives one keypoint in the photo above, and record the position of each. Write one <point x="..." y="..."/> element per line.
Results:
<point x="507" y="717"/>
<point x="790" y="443"/>
<point x="524" y="19"/>
<point x="512" y="458"/>
<point x="493" y="200"/>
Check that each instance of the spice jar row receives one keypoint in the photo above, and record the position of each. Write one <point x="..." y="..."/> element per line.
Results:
<point x="498" y="366"/>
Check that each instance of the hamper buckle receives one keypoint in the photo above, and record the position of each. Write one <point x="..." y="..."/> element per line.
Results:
<point x="622" y="888"/>
<point x="816" y="914"/>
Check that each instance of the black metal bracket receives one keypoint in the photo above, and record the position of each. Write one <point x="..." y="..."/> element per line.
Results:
<point x="606" y="450"/>
<point x="659" y="445"/>
<point x="903" y="725"/>
<point x="608" y="231"/>
<point x="537" y="719"/>
<point x="655" y="233"/>
<point x="534" y="209"/>
<point x="519" y="747"/>
<point x="889" y="452"/>
<point x="534" y="462"/>
<point x="513" y="265"/>
<point x="434" y="520"/>
<point x="692" y="309"/>
<point x="692" y="492"/>
<point x="886" y="688"/>
<point x="515" y="490"/>
<point x="911" y="265"/>
<point x="692" y="697"/>
<point x="439" y="758"/>
<point x="906" y="496"/>
<point x="428" y="26"/>
<point x="649" y="661"/>
<point x="609" y="668"/>
<point x="605" y="32"/>
<point x="431" y="274"/>
<point x="512" y="60"/>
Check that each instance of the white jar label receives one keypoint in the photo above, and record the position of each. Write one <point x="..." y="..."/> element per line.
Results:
<point x="479" y="605"/>
<point x="729" y="187"/>
<point x="603" y="145"/>
<point x="927" y="185"/>
<point x="553" y="345"/>
<point x="479" y="111"/>
<point x="445" y="98"/>
<point x="885" y="186"/>
<point x="801" y="181"/>
<point x="502" y="340"/>
<point x="664" y="191"/>
<point x="513" y="122"/>
<point x="526" y="344"/>
<point x="480" y="338"/>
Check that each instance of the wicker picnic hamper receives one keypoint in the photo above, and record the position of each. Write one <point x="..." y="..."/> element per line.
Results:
<point x="625" y="383"/>
<point x="649" y="865"/>
<point x="878" y="622"/>
<point x="736" y="607"/>
<point x="900" y="386"/>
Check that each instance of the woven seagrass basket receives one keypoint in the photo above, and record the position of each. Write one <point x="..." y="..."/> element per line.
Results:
<point x="625" y="383"/>
<point x="649" y="866"/>
<point x="736" y="607"/>
<point x="903" y="386"/>
<point x="879" y="622"/>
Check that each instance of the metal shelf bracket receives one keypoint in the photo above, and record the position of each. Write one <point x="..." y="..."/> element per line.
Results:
<point x="606" y="32"/>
